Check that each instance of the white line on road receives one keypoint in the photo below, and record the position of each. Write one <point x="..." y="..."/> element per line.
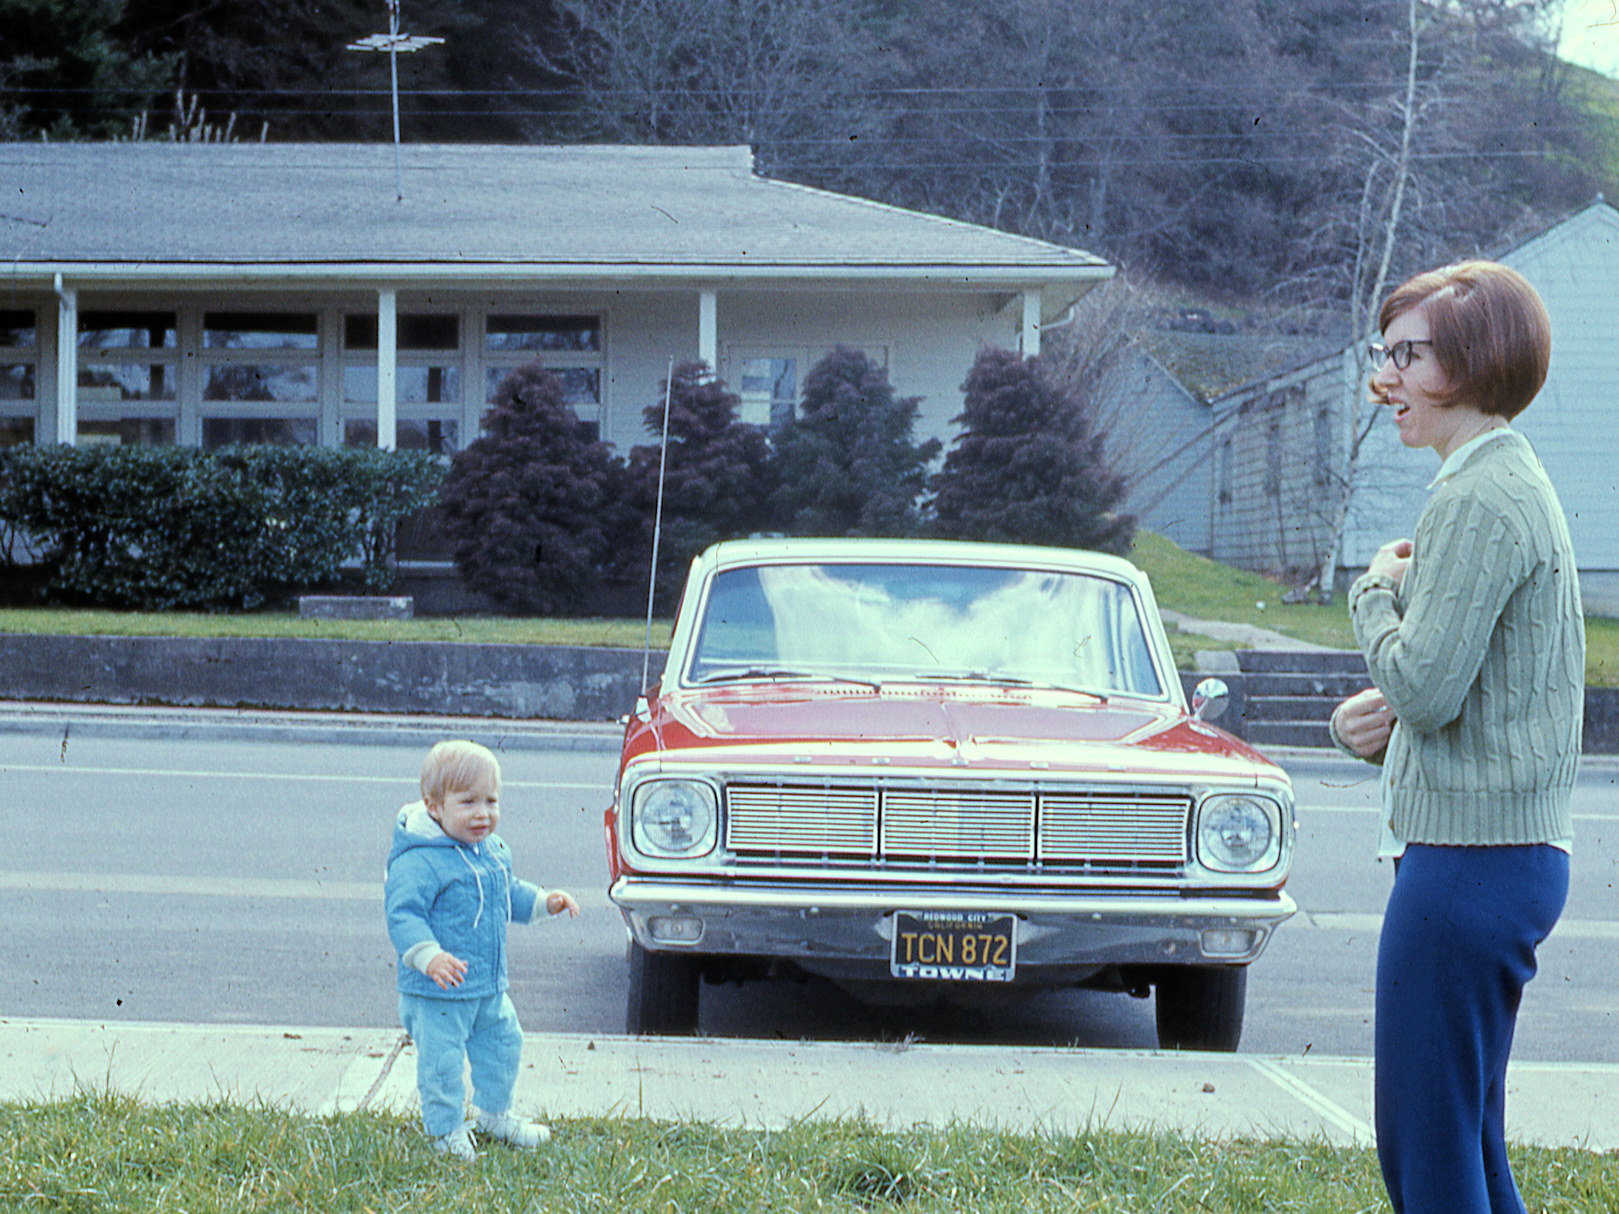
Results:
<point x="215" y="887"/>
<point x="1310" y="810"/>
<point x="217" y="774"/>
<point x="1351" y="921"/>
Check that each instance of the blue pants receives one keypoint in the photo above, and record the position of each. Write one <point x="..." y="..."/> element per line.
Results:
<point x="1457" y="949"/>
<point x="451" y="1032"/>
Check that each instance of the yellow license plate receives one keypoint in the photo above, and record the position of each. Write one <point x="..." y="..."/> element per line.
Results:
<point x="954" y="946"/>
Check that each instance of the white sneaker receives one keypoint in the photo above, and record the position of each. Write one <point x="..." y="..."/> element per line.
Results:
<point x="520" y="1133"/>
<point x="457" y="1144"/>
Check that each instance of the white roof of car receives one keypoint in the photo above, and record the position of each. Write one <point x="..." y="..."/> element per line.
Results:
<point x="766" y="551"/>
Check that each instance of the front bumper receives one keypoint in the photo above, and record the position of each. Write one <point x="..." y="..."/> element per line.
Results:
<point x="840" y="931"/>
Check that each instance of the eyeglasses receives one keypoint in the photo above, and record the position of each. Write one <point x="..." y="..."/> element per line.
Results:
<point x="1400" y="352"/>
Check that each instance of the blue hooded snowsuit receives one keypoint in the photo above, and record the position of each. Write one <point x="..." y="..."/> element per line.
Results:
<point x="441" y="894"/>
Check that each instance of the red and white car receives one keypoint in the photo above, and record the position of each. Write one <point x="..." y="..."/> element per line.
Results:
<point x="927" y="765"/>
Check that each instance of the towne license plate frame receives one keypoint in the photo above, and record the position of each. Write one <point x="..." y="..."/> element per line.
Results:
<point x="954" y="946"/>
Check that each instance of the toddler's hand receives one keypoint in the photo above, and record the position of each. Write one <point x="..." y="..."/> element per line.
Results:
<point x="447" y="970"/>
<point x="559" y="900"/>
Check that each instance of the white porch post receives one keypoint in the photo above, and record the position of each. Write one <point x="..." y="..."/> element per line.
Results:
<point x="1031" y="323"/>
<point x="708" y="330"/>
<point x="67" y="364"/>
<point x="387" y="368"/>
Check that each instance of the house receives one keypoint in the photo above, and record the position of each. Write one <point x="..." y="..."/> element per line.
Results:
<point x="1285" y="434"/>
<point x="205" y="294"/>
<point x="1169" y="430"/>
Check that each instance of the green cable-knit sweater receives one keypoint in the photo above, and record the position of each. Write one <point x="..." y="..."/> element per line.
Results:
<point x="1481" y="655"/>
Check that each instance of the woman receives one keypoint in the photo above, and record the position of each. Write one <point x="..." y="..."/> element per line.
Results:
<point x="1475" y="641"/>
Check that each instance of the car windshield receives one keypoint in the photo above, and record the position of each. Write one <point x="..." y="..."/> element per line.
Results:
<point x="881" y="623"/>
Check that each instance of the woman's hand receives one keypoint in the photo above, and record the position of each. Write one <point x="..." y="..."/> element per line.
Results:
<point x="1363" y="722"/>
<point x="1392" y="560"/>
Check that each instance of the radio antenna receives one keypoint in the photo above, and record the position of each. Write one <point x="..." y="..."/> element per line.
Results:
<point x="657" y="526"/>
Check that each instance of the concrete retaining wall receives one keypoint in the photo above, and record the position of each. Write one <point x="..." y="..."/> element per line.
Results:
<point x="517" y="681"/>
<point x="1601" y="711"/>
<point x="512" y="681"/>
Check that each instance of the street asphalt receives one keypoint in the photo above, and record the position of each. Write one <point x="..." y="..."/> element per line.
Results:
<point x="728" y="1081"/>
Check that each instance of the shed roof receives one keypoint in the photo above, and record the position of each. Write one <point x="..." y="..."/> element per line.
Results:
<point x="470" y="210"/>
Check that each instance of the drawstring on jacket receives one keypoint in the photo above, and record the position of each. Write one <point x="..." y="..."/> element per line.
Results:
<point x="476" y="918"/>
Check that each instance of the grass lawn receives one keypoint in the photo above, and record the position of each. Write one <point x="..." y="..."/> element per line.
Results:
<point x="1183" y="582"/>
<point x="110" y="1153"/>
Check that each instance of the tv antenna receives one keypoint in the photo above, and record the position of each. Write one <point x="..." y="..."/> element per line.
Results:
<point x="394" y="43"/>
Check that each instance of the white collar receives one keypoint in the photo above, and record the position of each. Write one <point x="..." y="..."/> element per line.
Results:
<point x="1454" y="461"/>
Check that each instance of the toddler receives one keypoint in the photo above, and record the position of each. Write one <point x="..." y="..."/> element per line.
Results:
<point x="449" y="895"/>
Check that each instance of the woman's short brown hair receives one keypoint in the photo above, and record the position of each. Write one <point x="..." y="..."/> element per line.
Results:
<point x="1489" y="329"/>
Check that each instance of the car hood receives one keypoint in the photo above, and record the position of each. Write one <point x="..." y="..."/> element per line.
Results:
<point x="989" y="729"/>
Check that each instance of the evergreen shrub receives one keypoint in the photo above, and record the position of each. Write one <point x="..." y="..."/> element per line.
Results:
<point x="847" y="465"/>
<point x="170" y="527"/>
<point x="533" y="506"/>
<point x="719" y="475"/>
<point x="1027" y="466"/>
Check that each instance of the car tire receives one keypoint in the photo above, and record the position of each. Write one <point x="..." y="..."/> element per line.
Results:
<point x="663" y="993"/>
<point x="1199" y="1007"/>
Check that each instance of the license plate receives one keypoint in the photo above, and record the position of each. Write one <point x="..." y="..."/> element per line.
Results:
<point x="954" y="946"/>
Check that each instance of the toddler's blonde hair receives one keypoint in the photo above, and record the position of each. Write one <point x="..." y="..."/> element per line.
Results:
<point x="456" y="766"/>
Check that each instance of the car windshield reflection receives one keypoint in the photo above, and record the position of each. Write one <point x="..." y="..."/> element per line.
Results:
<point x="918" y="623"/>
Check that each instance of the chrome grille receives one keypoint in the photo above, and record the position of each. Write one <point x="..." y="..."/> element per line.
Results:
<point x="1097" y="827"/>
<point x="904" y="824"/>
<point x="918" y="825"/>
<point x="801" y="820"/>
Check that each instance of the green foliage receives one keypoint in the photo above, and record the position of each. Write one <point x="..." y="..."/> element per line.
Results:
<point x="66" y="75"/>
<point x="163" y="527"/>
<point x="718" y="476"/>
<point x="848" y="465"/>
<point x="531" y="507"/>
<point x="1026" y="467"/>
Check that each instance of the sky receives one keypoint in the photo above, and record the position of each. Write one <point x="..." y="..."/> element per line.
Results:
<point x="1591" y="34"/>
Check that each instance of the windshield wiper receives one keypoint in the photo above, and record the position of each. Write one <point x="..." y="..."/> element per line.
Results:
<point x="772" y="672"/>
<point x="1004" y="680"/>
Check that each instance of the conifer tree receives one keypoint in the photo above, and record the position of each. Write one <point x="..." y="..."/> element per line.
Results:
<point x="848" y="465"/>
<point x="718" y="478"/>
<point x="528" y="505"/>
<point x="1026" y="467"/>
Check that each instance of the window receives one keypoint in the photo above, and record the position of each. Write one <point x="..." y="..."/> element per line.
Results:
<point x="260" y="377"/>
<point x="768" y="388"/>
<point x="570" y="347"/>
<point x="128" y="376"/>
<point x="427" y="383"/>
<point x="770" y="380"/>
<point x="19" y="376"/>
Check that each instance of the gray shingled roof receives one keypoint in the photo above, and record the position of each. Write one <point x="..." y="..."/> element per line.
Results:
<point x="69" y="207"/>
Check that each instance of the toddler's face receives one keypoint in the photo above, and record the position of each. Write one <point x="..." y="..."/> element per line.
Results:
<point x="468" y="815"/>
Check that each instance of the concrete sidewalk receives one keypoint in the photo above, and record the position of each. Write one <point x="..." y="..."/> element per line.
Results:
<point x="769" y="1083"/>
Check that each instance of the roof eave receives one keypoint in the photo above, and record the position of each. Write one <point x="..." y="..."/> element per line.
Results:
<point x="1071" y="281"/>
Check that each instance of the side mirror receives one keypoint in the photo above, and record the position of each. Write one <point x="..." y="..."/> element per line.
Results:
<point x="1210" y="699"/>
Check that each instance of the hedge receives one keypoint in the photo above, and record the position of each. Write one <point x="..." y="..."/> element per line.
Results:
<point x="168" y="527"/>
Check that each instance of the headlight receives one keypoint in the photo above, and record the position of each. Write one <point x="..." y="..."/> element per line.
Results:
<point x="1239" y="834"/>
<point x="673" y="819"/>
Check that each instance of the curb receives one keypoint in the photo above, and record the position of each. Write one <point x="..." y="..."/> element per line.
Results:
<point x="250" y="725"/>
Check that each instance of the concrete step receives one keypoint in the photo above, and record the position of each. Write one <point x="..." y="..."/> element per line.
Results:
<point x="1280" y="661"/>
<point x="1265" y="708"/>
<point x="1305" y="684"/>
